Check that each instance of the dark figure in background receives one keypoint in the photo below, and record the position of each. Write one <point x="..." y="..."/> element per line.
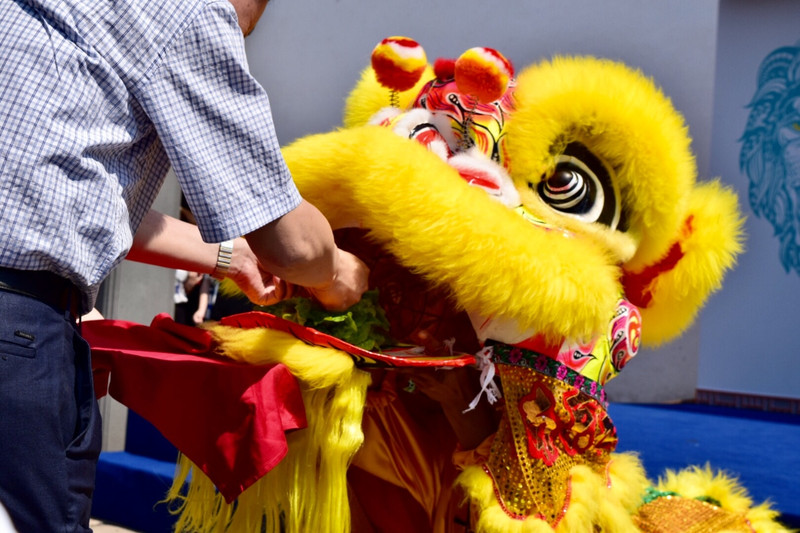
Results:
<point x="193" y="294"/>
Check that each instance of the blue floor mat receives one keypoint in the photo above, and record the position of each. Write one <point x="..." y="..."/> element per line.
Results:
<point x="128" y="490"/>
<point x="761" y="449"/>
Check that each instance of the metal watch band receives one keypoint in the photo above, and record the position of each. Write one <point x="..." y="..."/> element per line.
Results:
<point x="223" y="260"/>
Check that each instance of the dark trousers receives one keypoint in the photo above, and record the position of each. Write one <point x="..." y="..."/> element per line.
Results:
<point x="49" y="420"/>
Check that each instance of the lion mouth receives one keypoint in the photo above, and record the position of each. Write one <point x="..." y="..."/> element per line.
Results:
<point x="420" y="313"/>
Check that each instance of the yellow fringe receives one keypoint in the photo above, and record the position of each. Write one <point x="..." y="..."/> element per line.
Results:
<point x="628" y="482"/>
<point x="316" y="367"/>
<point x="307" y="490"/>
<point x="585" y="497"/>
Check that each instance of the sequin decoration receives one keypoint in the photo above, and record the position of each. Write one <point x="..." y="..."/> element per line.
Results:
<point x="548" y="427"/>
<point x="674" y="514"/>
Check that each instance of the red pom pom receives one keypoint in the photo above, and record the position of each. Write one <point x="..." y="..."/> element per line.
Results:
<point x="398" y="62"/>
<point x="445" y="69"/>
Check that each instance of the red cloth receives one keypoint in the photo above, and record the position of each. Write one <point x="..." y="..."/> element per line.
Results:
<point x="228" y="418"/>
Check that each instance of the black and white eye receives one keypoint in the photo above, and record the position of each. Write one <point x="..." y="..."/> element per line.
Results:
<point x="581" y="187"/>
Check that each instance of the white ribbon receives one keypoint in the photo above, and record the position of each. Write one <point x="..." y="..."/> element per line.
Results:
<point x="483" y="360"/>
<point x="450" y="343"/>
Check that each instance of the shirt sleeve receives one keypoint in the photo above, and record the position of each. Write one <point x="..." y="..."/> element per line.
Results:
<point x="215" y="123"/>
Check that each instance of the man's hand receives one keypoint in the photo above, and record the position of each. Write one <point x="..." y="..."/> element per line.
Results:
<point x="347" y="286"/>
<point x="264" y="288"/>
<point x="260" y="287"/>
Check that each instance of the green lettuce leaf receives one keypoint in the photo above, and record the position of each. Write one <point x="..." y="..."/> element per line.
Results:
<point x="364" y="324"/>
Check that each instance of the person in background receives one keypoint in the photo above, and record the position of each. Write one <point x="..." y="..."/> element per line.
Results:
<point x="98" y="100"/>
<point x="192" y="297"/>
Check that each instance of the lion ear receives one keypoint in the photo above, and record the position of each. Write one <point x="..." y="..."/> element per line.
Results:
<point x="671" y="291"/>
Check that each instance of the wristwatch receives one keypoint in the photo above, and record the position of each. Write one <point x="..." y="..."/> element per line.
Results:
<point x="223" y="260"/>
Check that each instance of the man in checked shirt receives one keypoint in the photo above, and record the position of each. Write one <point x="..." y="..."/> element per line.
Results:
<point x="98" y="98"/>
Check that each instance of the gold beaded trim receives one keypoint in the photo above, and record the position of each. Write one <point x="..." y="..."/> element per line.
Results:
<point x="675" y="514"/>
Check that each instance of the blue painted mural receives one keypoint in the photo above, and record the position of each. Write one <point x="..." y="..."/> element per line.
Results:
<point x="770" y="154"/>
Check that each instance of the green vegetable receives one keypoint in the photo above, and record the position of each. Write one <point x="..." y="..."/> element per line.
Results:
<point x="363" y="325"/>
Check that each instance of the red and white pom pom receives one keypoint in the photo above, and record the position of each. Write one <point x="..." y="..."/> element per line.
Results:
<point x="483" y="73"/>
<point x="399" y="63"/>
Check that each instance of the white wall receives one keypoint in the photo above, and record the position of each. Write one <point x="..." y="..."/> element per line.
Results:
<point x="308" y="56"/>
<point x="751" y="332"/>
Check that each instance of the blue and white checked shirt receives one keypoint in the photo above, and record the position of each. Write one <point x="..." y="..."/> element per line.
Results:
<point x="97" y="99"/>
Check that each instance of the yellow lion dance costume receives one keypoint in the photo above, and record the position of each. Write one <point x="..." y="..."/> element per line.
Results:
<point x="545" y="230"/>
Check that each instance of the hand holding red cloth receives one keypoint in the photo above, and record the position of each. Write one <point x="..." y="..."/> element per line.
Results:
<point x="228" y="418"/>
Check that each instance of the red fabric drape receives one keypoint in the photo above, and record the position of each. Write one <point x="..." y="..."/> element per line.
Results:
<point x="228" y="418"/>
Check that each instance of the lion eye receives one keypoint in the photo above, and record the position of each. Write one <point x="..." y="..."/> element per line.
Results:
<point x="569" y="190"/>
<point x="581" y="187"/>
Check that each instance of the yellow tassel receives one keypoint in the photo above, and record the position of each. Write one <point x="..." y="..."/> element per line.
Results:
<point x="307" y="490"/>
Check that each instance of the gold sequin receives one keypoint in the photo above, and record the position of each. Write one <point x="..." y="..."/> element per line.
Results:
<point x="674" y="514"/>
<point x="549" y="417"/>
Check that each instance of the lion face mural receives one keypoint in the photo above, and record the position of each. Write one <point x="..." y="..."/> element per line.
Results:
<point x="770" y="154"/>
<point x="539" y="227"/>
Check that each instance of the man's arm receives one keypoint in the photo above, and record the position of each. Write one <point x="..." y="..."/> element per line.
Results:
<point x="168" y="242"/>
<point x="336" y="278"/>
<point x="299" y="248"/>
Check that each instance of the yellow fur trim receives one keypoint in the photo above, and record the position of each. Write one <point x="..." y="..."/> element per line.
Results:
<point x="709" y="252"/>
<point x="491" y="517"/>
<point x="586" y="493"/>
<point x="421" y="210"/>
<point x="368" y="97"/>
<point x="624" y="119"/>
<point x="699" y="481"/>
<point x="628" y="480"/>
<point x="315" y="366"/>
<point x="618" y="502"/>
<point x="592" y="503"/>
<point x="307" y="490"/>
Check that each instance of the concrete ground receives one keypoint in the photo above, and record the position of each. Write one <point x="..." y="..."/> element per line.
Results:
<point x="102" y="527"/>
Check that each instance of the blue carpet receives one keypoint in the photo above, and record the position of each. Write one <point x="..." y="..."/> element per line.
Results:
<point x="759" y="448"/>
<point x="130" y="484"/>
<point x="128" y="490"/>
